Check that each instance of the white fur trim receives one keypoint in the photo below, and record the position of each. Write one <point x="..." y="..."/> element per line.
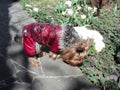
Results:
<point x="85" y="33"/>
<point x="37" y="45"/>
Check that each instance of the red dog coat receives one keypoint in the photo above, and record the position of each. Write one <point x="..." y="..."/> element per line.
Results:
<point x="42" y="33"/>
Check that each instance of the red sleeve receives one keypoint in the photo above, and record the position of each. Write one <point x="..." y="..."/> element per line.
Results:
<point x="28" y="42"/>
<point x="29" y="46"/>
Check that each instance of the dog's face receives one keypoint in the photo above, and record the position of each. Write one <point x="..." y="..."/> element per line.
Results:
<point x="75" y="54"/>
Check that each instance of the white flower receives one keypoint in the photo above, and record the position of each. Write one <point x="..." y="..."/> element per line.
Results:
<point x="76" y="12"/>
<point x="30" y="10"/>
<point x="63" y="13"/>
<point x="94" y="9"/>
<point x="68" y="3"/>
<point x="89" y="8"/>
<point x="79" y="7"/>
<point x="29" y="6"/>
<point x="69" y="12"/>
<point x="83" y="16"/>
<point x="35" y="9"/>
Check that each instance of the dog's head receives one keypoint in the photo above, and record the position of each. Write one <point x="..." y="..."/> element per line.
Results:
<point x="75" y="54"/>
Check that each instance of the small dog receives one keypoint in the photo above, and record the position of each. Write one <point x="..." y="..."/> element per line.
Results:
<point x="67" y="42"/>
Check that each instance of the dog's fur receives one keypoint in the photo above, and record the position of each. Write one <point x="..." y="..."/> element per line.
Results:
<point x="76" y="53"/>
<point x="74" y="43"/>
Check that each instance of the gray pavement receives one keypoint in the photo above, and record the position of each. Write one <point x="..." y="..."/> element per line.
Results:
<point x="14" y="71"/>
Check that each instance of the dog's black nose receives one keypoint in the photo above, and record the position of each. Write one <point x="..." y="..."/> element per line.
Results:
<point x="79" y="50"/>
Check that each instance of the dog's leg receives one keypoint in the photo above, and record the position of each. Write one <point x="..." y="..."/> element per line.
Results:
<point x="39" y="50"/>
<point x="33" y="62"/>
<point x="54" y="56"/>
<point x="58" y="56"/>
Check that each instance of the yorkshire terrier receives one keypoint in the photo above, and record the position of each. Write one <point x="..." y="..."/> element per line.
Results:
<point x="67" y="42"/>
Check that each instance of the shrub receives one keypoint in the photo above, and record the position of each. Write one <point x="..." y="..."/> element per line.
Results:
<point x="98" y="66"/>
<point x="79" y="13"/>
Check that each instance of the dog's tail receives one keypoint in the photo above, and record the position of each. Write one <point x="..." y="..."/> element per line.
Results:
<point x="18" y="37"/>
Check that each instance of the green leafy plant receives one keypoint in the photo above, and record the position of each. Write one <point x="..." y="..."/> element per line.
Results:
<point x="108" y="25"/>
<point x="78" y="13"/>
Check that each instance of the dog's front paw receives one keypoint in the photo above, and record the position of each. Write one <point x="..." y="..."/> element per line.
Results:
<point x="54" y="56"/>
<point x="58" y="56"/>
<point x="33" y="62"/>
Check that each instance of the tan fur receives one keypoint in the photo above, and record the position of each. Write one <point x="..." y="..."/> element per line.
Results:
<point x="75" y="54"/>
